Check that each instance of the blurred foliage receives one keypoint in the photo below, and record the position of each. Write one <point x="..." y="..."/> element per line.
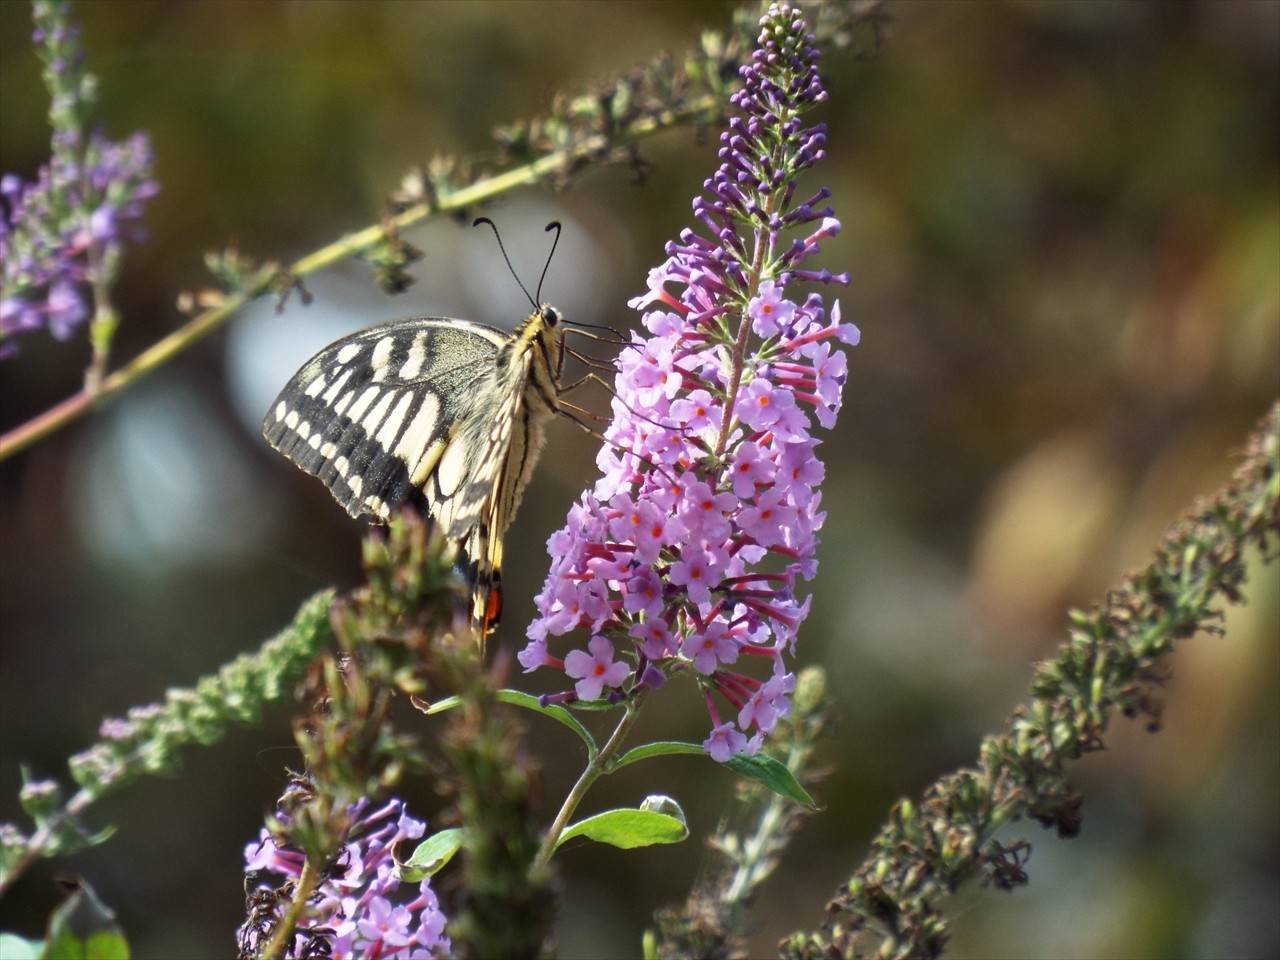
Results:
<point x="1112" y="662"/>
<point x="149" y="740"/>
<point x="1063" y="223"/>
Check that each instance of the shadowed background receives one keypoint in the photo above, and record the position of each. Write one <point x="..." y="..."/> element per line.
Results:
<point x="1063" y="225"/>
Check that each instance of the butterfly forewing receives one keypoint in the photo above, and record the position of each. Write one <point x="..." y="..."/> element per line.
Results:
<point x="374" y="414"/>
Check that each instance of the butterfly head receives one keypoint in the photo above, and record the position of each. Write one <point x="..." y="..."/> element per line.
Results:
<point x="544" y="325"/>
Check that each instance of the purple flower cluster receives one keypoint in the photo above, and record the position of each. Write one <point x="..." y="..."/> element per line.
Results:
<point x="63" y="232"/>
<point x="686" y="555"/>
<point x="354" y="913"/>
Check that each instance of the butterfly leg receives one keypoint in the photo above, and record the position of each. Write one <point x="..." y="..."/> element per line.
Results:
<point x="595" y="378"/>
<point x="570" y="409"/>
<point x="567" y="410"/>
<point x="593" y="362"/>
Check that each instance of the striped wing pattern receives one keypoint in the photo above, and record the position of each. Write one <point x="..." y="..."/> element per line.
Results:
<point x="441" y="410"/>
<point x="374" y="414"/>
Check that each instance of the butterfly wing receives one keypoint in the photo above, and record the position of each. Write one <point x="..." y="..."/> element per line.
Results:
<point x="375" y="414"/>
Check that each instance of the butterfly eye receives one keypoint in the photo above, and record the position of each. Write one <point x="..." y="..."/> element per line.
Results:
<point x="551" y="315"/>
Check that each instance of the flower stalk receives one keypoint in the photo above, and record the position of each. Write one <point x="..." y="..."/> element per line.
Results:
<point x="596" y="767"/>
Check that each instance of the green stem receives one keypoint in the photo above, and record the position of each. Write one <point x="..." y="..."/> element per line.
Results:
<point x="102" y="328"/>
<point x="596" y="767"/>
<point x="283" y="932"/>
<point x="757" y="848"/>
<point x="36" y="844"/>
<point x="200" y="326"/>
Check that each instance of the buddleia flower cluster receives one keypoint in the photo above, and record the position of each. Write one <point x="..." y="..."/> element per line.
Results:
<point x="61" y="235"/>
<point x="689" y="555"/>
<point x="358" y="910"/>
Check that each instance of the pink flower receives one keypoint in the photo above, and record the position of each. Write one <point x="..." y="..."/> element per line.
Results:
<point x="534" y="655"/>
<point x="697" y="572"/>
<point x="595" y="670"/>
<point x="725" y="741"/>
<point x="750" y="469"/>
<point x="697" y="411"/>
<point x="643" y="593"/>
<point x="762" y="404"/>
<point x="768" y="521"/>
<point x="768" y="311"/>
<point x="703" y="511"/>
<point x="768" y="703"/>
<point x="656" y="638"/>
<point x="710" y="648"/>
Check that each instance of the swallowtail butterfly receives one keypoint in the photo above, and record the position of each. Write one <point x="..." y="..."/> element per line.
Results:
<point x="448" y="413"/>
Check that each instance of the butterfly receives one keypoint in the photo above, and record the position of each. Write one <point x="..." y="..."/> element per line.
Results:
<point x="450" y="414"/>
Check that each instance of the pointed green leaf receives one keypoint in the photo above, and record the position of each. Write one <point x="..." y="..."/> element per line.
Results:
<point x="432" y="854"/>
<point x="772" y="773"/>
<point x="527" y="701"/>
<point x="658" y="820"/>
<point x="760" y="767"/>
<point x="659" y="748"/>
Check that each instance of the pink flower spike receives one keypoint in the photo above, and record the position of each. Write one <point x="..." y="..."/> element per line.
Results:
<point x="709" y="473"/>
<point x="595" y="670"/>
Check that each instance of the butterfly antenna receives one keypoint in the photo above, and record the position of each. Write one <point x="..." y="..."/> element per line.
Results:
<point x="497" y="236"/>
<point x="553" y="225"/>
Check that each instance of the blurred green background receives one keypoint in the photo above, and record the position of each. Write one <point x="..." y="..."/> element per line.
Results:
<point x="1063" y="224"/>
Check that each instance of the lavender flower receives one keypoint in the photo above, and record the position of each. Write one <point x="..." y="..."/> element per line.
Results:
<point x="354" y="914"/>
<point x="62" y="234"/>
<point x="686" y="555"/>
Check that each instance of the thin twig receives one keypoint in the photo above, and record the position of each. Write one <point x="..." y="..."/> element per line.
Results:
<point x="196" y="329"/>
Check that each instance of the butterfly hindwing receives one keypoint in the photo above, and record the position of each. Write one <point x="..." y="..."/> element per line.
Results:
<point x="497" y="440"/>
<point x="374" y="414"/>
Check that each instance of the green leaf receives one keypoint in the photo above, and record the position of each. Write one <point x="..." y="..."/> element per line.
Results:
<point x="658" y="820"/>
<point x="14" y="947"/>
<point x="601" y="705"/>
<point x="760" y="767"/>
<point x="659" y="748"/>
<point x="772" y="773"/>
<point x="431" y="856"/>
<point x="84" y="928"/>
<point x="527" y="701"/>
